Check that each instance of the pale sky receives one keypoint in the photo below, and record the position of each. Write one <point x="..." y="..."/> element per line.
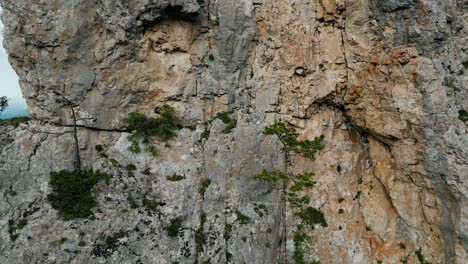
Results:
<point x="8" y="79"/>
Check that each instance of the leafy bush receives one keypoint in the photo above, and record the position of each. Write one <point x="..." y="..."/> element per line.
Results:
<point x="174" y="228"/>
<point x="463" y="115"/>
<point x="204" y="184"/>
<point x="242" y="218"/>
<point x="288" y="136"/>
<point x="151" y="206"/>
<point x="272" y="177"/>
<point x="312" y="216"/>
<point x="465" y="64"/>
<point x="175" y="177"/>
<point x="112" y="240"/>
<point x="302" y="181"/>
<point x="99" y="148"/>
<point x="132" y="202"/>
<point x="294" y="184"/>
<point x="130" y="167"/>
<point x="72" y="192"/>
<point x="162" y="128"/>
<point x="299" y="238"/>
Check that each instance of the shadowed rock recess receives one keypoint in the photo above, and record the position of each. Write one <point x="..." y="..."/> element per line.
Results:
<point x="385" y="82"/>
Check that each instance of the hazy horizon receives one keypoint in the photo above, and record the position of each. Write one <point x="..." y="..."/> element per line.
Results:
<point x="9" y="86"/>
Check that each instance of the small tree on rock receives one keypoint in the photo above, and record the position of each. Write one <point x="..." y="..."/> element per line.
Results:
<point x="3" y="103"/>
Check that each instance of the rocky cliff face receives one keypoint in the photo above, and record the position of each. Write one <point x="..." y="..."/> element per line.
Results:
<point x="383" y="81"/>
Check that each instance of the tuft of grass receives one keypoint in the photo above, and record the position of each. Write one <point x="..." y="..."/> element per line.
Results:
<point x="175" y="177"/>
<point x="463" y="115"/>
<point x="150" y="205"/>
<point x="99" y="148"/>
<point x="135" y="147"/>
<point x="15" y="226"/>
<point x="73" y="192"/>
<point x="451" y="84"/>
<point x="420" y="257"/>
<point x="115" y="163"/>
<point x="130" y="167"/>
<point x="113" y="240"/>
<point x="465" y="64"/>
<point x="242" y="218"/>
<point x="358" y="195"/>
<point x="204" y="183"/>
<point x="205" y="134"/>
<point x="200" y="237"/>
<point x="227" y="232"/>
<point x="359" y="181"/>
<point x="174" y="227"/>
<point x="15" y="121"/>
<point x="132" y="202"/>
<point x="226" y="118"/>
<point x="402" y="245"/>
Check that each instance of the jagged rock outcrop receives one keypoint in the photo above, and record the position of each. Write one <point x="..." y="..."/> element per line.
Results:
<point x="383" y="81"/>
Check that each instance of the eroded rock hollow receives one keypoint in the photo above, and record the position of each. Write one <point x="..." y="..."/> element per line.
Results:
<point x="385" y="82"/>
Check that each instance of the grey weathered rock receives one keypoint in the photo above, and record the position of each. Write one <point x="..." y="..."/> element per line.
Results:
<point x="384" y="81"/>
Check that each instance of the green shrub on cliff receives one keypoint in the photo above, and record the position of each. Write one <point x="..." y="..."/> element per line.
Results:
<point x="145" y="129"/>
<point x="174" y="228"/>
<point x="226" y="118"/>
<point x="294" y="184"/>
<point x="73" y="192"/>
<point x="463" y="115"/>
<point x="288" y="136"/>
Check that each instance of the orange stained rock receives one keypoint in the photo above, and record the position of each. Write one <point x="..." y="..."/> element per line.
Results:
<point x="67" y="148"/>
<point x="388" y="250"/>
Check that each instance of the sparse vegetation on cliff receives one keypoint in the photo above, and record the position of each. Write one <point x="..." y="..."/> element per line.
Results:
<point x="226" y="118"/>
<point x="463" y="115"/>
<point x="421" y="257"/>
<point x="145" y="129"/>
<point x="293" y="184"/>
<point x="288" y="137"/>
<point x="204" y="184"/>
<point x="174" y="227"/>
<point x="15" y="226"/>
<point x="175" y="177"/>
<point x="73" y="192"/>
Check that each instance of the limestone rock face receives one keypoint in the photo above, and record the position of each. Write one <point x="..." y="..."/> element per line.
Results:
<point x="384" y="81"/>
